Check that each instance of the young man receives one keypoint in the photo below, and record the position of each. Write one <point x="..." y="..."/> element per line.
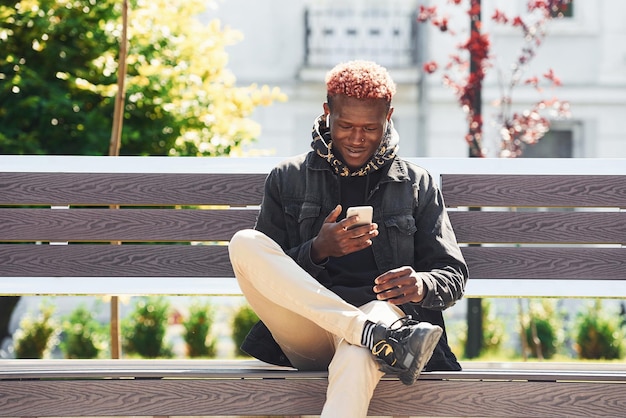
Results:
<point x="333" y="295"/>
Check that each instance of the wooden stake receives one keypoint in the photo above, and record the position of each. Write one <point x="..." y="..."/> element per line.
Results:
<point x="118" y="111"/>
<point x="114" y="151"/>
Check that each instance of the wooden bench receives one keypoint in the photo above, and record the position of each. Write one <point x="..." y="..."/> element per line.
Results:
<point x="572" y="246"/>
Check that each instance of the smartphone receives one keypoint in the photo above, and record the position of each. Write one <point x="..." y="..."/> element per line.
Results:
<point x="364" y="213"/>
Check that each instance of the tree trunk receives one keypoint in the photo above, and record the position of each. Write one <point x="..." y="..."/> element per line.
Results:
<point x="7" y="306"/>
<point x="474" y="341"/>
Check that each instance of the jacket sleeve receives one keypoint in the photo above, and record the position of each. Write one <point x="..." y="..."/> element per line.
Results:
<point x="438" y="258"/>
<point x="271" y="221"/>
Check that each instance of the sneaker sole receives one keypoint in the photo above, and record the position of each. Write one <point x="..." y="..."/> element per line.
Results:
<point x="408" y="377"/>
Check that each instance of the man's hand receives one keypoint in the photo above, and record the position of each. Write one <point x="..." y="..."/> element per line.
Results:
<point x="335" y="239"/>
<point x="398" y="286"/>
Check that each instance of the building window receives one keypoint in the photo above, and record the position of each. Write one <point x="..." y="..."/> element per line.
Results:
<point x="555" y="144"/>
<point x="384" y="32"/>
<point x="562" y="8"/>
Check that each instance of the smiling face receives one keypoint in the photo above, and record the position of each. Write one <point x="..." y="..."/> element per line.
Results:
<point x="357" y="127"/>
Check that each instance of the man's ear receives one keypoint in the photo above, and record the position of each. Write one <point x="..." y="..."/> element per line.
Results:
<point x="327" y="113"/>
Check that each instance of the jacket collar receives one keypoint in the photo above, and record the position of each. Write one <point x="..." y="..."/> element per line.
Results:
<point x="398" y="171"/>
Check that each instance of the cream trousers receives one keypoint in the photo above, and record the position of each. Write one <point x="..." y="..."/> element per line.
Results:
<point x="316" y="329"/>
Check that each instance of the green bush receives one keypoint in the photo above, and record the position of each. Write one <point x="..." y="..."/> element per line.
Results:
<point x="493" y="329"/>
<point x="547" y="338"/>
<point x="548" y="323"/>
<point x="243" y="320"/>
<point x="83" y="336"/>
<point x="198" y="329"/>
<point x="143" y="332"/>
<point x="36" y="335"/>
<point x="598" y="335"/>
<point x="493" y="332"/>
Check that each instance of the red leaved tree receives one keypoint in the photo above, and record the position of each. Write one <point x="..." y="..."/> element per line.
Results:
<point x="465" y="72"/>
<point x="466" y="69"/>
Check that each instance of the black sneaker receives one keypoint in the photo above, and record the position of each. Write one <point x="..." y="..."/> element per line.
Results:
<point x="405" y="349"/>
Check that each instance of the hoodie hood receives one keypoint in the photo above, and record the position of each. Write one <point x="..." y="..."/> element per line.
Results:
<point x="322" y="144"/>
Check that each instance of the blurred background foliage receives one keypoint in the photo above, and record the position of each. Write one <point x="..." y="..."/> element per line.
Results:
<point x="83" y="336"/>
<point x="197" y="335"/>
<point x="144" y="330"/>
<point x="242" y="322"/>
<point x="58" y="75"/>
<point x="58" y="82"/>
<point x="37" y="335"/>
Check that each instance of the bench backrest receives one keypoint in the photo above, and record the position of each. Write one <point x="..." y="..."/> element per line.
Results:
<point x="129" y="225"/>
<point x="540" y="235"/>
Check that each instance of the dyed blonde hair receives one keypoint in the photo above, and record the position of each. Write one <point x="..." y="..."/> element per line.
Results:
<point x="361" y="80"/>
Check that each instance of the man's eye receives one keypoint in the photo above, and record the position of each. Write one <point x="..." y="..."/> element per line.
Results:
<point x="368" y="128"/>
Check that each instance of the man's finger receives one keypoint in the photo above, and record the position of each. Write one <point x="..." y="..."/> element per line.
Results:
<point x="333" y="215"/>
<point x="391" y="274"/>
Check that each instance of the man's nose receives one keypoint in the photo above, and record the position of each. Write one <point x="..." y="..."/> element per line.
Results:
<point x="356" y="136"/>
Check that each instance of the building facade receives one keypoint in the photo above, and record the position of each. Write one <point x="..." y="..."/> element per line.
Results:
<point x="292" y="43"/>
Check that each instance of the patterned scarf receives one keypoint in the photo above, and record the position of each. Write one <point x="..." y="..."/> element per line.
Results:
<point x="322" y="144"/>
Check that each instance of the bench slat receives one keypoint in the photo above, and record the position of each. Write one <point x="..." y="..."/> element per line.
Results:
<point x="534" y="190"/>
<point x="217" y="225"/>
<point x="101" y="225"/>
<point x="212" y="261"/>
<point x="477" y="227"/>
<point x="93" y="260"/>
<point x="144" y="189"/>
<point x="567" y="263"/>
<point x="202" y="397"/>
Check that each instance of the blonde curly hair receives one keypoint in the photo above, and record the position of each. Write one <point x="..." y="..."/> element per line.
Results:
<point x="361" y="80"/>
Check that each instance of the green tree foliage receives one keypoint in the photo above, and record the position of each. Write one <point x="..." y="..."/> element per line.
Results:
<point x="50" y="53"/>
<point x="37" y="334"/>
<point x="58" y="80"/>
<point x="543" y="328"/>
<point x="198" y="329"/>
<point x="242" y="322"/>
<point x="599" y="334"/>
<point x="493" y="331"/>
<point x="144" y="329"/>
<point x="83" y="336"/>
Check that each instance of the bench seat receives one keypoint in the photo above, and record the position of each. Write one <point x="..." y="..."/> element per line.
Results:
<point x="249" y="387"/>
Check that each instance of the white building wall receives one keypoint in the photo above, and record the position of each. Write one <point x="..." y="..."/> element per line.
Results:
<point x="587" y="52"/>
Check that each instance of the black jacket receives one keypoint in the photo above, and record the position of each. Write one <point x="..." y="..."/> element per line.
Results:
<point x="413" y="226"/>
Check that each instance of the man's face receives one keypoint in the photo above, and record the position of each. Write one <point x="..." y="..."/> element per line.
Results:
<point x="357" y="127"/>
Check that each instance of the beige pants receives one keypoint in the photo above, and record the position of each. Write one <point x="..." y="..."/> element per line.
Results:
<point x="316" y="329"/>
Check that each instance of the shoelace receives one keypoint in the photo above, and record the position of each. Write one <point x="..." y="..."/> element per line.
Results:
<point x="404" y="328"/>
<point x="395" y="333"/>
